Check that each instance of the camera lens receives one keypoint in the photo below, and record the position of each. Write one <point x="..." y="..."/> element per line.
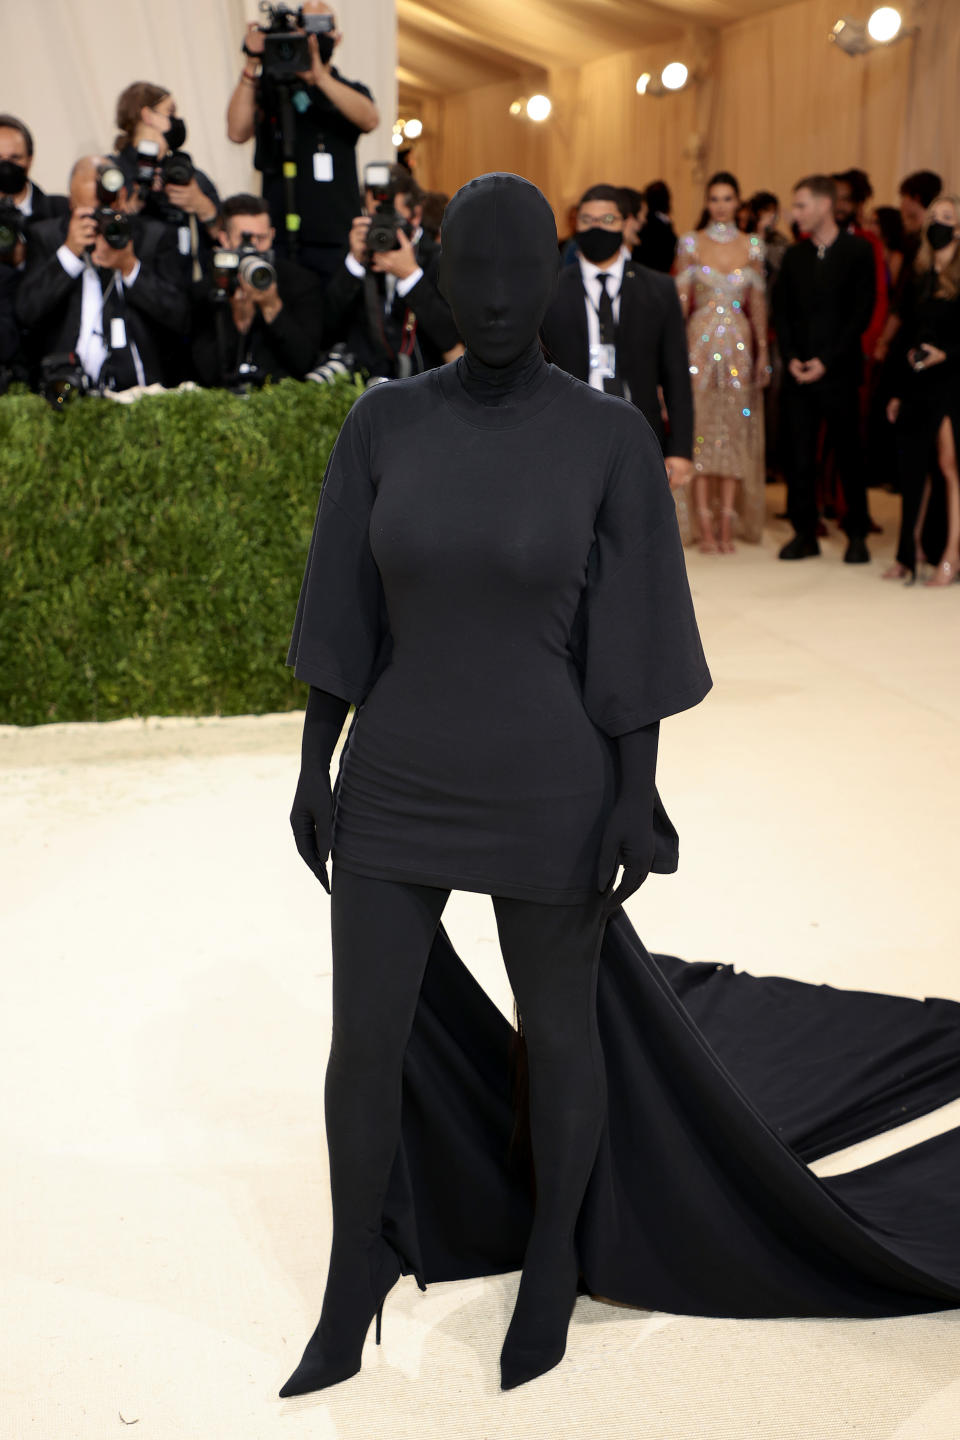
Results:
<point x="256" y="272"/>
<point x="115" y="228"/>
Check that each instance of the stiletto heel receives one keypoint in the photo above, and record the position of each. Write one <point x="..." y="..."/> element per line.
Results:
<point x="728" y="515"/>
<point x="352" y="1299"/>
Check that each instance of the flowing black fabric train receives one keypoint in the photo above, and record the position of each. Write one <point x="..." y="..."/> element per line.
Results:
<point x="695" y="1204"/>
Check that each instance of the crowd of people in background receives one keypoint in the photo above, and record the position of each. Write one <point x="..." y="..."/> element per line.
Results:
<point x="824" y="350"/>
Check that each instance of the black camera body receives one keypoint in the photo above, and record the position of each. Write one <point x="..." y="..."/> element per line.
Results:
<point x="386" y="221"/>
<point x="63" y="379"/>
<point x="12" y="232"/>
<point x="246" y="263"/>
<point x="114" y="226"/>
<point x="286" y="49"/>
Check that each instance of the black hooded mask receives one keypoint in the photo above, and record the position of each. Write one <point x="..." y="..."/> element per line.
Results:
<point x="498" y="266"/>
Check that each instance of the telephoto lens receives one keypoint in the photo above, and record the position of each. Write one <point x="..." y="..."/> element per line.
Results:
<point x="256" y="272"/>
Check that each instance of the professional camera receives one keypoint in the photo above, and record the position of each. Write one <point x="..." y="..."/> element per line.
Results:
<point x="334" y="363"/>
<point x="286" y="52"/>
<point x="385" y="221"/>
<point x="12" y="232"/>
<point x="176" y="167"/>
<point x="62" y="379"/>
<point x="112" y="223"/>
<point x="246" y="263"/>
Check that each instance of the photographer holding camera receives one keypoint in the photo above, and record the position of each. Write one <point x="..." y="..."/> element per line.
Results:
<point x="302" y="113"/>
<point x="263" y="315"/>
<point x="397" y="322"/>
<point x="104" y="283"/>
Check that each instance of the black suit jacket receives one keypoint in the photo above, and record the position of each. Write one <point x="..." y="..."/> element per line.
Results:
<point x="288" y="347"/>
<point x="374" y="341"/>
<point x="155" y="308"/>
<point x="822" y="307"/>
<point x="651" y="347"/>
<point x="47" y="207"/>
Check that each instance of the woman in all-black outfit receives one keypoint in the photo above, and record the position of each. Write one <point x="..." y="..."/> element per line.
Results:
<point x="925" y="366"/>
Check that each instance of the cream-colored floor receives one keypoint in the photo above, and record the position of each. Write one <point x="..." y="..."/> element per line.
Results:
<point x="165" y="1023"/>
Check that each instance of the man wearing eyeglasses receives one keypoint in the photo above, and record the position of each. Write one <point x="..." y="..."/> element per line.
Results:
<point x="619" y="327"/>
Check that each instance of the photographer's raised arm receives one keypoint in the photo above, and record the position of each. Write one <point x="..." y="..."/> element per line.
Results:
<point x="241" y="110"/>
<point x="46" y="280"/>
<point x="358" y="108"/>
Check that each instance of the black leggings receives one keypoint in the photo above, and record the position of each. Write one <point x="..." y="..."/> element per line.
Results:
<point x="382" y="933"/>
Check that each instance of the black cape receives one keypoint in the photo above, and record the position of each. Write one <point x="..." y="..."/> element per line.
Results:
<point x="720" y="1086"/>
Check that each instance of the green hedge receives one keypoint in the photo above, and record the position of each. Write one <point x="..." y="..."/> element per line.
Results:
<point x="151" y="554"/>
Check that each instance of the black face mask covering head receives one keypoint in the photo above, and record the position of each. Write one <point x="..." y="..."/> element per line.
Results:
<point x="498" y="265"/>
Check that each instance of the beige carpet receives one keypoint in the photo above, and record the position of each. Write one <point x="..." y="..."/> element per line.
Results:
<point x="165" y="1024"/>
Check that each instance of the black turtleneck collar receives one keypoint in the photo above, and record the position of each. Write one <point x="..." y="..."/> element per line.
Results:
<point x="503" y="384"/>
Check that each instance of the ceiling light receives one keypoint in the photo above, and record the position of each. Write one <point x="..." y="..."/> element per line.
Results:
<point x="538" y="107"/>
<point x="397" y="137"/>
<point x="643" y="81"/>
<point x="884" y="24"/>
<point x="516" y="107"/>
<point x="413" y="129"/>
<point x="674" y="75"/>
<point x="850" y="36"/>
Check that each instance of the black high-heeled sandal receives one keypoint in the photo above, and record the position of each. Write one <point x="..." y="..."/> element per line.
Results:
<point x="333" y="1352"/>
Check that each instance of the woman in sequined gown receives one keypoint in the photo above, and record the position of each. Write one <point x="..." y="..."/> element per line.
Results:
<point x="720" y="277"/>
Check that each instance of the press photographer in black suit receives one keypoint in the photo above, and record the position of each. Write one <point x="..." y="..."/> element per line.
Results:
<point x="397" y="322"/>
<point x="327" y="115"/>
<point x="120" y="307"/>
<point x="619" y="326"/>
<point x="822" y="304"/>
<point x="16" y="187"/>
<point x="243" y="333"/>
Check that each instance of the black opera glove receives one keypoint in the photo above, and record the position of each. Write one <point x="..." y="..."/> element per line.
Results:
<point x="628" y="837"/>
<point x="311" y="818"/>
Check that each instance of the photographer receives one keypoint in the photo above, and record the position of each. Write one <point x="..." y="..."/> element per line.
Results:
<point x="21" y="203"/>
<point x="104" y="283"/>
<point x="397" y="322"/>
<point x="16" y="187"/>
<point x="252" y="327"/>
<point x="311" y="117"/>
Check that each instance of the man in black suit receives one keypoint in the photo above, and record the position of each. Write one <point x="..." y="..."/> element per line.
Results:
<point x="119" y="307"/>
<point x="620" y="327"/>
<point x="822" y="303"/>
<point x="250" y="333"/>
<point x="396" y="323"/>
<point x="16" y="187"/>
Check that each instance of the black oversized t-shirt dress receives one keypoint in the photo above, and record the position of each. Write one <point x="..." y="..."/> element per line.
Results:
<point x="501" y="591"/>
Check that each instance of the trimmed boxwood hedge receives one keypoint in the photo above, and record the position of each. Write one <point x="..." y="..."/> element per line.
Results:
<point x="151" y="554"/>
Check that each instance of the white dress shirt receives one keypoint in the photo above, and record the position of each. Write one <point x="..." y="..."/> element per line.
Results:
<point x="591" y="284"/>
<point x="92" y="350"/>
<point x="392" y="286"/>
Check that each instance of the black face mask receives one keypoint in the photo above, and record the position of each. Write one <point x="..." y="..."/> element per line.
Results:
<point x="498" y="265"/>
<point x="597" y="244"/>
<point x="13" y="177"/>
<point x="176" y="136"/>
<point x="940" y="235"/>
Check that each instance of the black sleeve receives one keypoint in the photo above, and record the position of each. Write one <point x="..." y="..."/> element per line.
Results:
<point x="340" y="634"/>
<point x="675" y="377"/>
<point x="341" y="295"/>
<point x="9" y="330"/>
<point x="781" y="305"/>
<point x="295" y="334"/>
<point x="214" y="346"/>
<point x="643" y="659"/>
<point x="856" y="311"/>
<point x="432" y="311"/>
<point x="160" y="290"/>
<point x="45" y="285"/>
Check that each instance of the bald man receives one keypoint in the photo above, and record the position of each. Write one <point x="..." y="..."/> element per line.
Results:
<point x="122" y="307"/>
<point x="326" y="116"/>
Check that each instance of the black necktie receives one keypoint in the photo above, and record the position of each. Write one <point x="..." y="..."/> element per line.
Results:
<point x="612" y="384"/>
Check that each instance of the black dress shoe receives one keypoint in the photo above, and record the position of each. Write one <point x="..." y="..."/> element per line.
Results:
<point x="857" y="552"/>
<point x="799" y="548"/>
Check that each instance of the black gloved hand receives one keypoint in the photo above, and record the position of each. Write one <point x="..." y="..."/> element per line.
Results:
<point x="628" y="837"/>
<point x="312" y="812"/>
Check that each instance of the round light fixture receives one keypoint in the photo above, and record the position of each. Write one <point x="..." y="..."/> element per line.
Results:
<point x="397" y="138"/>
<point x="884" y="24"/>
<point x="413" y="129"/>
<point x="516" y="107"/>
<point x="538" y="107"/>
<point x="643" y="81"/>
<point x="674" y="75"/>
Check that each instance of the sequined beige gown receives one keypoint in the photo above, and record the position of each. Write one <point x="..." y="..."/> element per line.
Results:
<point x="726" y="325"/>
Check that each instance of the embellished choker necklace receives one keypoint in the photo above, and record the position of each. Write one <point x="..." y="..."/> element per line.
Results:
<point x="721" y="232"/>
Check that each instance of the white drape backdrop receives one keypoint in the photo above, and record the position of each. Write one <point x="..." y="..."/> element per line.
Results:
<point x="66" y="61"/>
